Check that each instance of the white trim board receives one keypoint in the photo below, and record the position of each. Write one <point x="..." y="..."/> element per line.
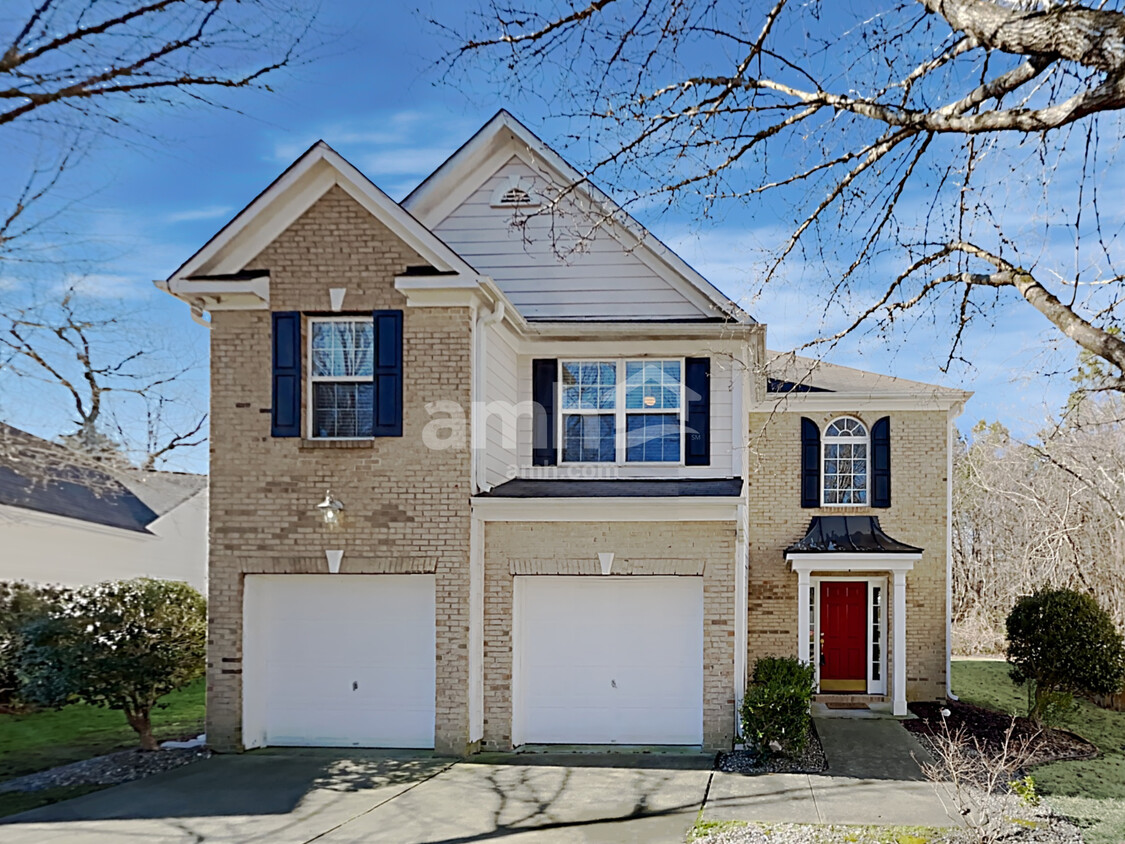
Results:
<point x="676" y="509"/>
<point x="853" y="561"/>
<point x="319" y="169"/>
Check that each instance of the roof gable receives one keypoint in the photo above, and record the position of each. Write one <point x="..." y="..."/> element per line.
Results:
<point x="288" y="197"/>
<point x="577" y="257"/>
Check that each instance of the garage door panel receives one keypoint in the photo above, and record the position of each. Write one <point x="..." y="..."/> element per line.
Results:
<point x="342" y="661"/>
<point x="609" y="660"/>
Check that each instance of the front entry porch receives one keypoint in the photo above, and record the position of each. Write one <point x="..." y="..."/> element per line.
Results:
<point x="845" y="566"/>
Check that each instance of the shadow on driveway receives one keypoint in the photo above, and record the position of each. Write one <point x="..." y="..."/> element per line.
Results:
<point x="332" y="797"/>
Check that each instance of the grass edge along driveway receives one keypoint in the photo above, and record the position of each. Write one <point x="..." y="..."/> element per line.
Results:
<point x="40" y="740"/>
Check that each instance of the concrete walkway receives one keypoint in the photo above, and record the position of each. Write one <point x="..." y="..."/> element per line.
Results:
<point x="872" y="778"/>
<point x="345" y="797"/>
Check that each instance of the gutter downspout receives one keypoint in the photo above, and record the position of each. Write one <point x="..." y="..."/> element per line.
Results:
<point x="484" y="322"/>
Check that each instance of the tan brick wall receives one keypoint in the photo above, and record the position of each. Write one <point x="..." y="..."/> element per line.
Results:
<point x="917" y="516"/>
<point x="684" y="548"/>
<point x="407" y="506"/>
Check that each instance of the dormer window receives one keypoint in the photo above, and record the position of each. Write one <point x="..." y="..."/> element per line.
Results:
<point x="515" y="192"/>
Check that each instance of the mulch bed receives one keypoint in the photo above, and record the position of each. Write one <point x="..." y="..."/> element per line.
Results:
<point x="753" y="761"/>
<point x="989" y="728"/>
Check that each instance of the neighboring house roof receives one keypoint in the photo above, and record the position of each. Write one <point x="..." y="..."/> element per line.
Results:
<point x="787" y="372"/>
<point x="848" y="534"/>
<point x="631" y="488"/>
<point x="505" y="153"/>
<point x="49" y="478"/>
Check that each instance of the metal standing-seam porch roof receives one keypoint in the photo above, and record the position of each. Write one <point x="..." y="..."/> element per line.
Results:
<point x="848" y="534"/>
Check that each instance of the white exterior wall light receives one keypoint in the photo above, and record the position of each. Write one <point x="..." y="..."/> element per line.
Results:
<point x="331" y="511"/>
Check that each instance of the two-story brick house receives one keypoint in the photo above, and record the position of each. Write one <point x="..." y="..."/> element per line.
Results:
<point x="572" y="498"/>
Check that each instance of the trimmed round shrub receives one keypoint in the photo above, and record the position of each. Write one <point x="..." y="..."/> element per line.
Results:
<point x="1061" y="644"/>
<point x="775" y="711"/>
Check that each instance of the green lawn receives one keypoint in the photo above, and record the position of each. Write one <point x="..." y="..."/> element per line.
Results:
<point x="41" y="740"/>
<point x="1091" y="791"/>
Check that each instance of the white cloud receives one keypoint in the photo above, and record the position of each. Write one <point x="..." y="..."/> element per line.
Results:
<point x="209" y="212"/>
<point x="395" y="150"/>
<point x="104" y="286"/>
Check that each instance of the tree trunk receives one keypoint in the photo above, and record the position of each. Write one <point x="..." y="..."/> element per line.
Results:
<point x="140" y="722"/>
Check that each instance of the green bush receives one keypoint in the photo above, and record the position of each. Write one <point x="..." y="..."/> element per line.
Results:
<point x="776" y="706"/>
<point x="122" y="645"/>
<point x="20" y="604"/>
<point x="1061" y="643"/>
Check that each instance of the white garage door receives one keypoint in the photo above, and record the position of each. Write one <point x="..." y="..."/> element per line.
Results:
<point x="604" y="660"/>
<point x="339" y="661"/>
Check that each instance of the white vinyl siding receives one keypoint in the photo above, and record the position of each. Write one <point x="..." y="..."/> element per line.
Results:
<point x="599" y="279"/>
<point x="501" y="395"/>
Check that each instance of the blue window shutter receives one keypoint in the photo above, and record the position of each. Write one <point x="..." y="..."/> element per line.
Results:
<point x="285" y="417"/>
<point x="388" y="373"/>
<point x="697" y="381"/>
<point x="544" y="395"/>
<point x="810" y="463"/>
<point x="881" y="463"/>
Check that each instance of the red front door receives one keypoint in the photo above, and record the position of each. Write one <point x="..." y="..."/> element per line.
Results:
<point x="843" y="637"/>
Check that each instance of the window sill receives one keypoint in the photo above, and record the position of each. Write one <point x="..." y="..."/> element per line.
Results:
<point x="312" y="445"/>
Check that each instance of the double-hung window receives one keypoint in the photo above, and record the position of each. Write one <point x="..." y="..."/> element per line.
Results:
<point x="622" y="411"/>
<point x="341" y="369"/>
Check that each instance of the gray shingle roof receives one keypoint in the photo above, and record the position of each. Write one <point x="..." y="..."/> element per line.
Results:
<point x="48" y="478"/>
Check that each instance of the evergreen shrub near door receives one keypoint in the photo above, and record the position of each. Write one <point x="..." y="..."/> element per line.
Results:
<point x="775" y="709"/>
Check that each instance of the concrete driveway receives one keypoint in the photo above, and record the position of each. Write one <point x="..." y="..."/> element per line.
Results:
<point x="340" y="797"/>
<point x="335" y="797"/>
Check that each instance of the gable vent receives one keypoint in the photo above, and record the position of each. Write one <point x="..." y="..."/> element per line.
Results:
<point x="515" y="196"/>
<point x="514" y="192"/>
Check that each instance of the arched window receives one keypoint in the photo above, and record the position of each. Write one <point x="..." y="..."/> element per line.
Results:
<point x="845" y="462"/>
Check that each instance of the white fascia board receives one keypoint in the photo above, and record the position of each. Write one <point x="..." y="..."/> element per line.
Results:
<point x="293" y="193"/>
<point x="218" y="295"/>
<point x="445" y="189"/>
<point x="852" y="561"/>
<point x="812" y="402"/>
<point x="580" y="329"/>
<point x="627" y="347"/>
<point x="677" y="509"/>
<point x="438" y="291"/>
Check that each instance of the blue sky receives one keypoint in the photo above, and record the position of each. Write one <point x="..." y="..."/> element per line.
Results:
<point x="375" y="95"/>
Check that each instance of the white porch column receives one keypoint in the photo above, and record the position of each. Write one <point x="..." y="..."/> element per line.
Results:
<point x="899" y="672"/>
<point x="803" y="615"/>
